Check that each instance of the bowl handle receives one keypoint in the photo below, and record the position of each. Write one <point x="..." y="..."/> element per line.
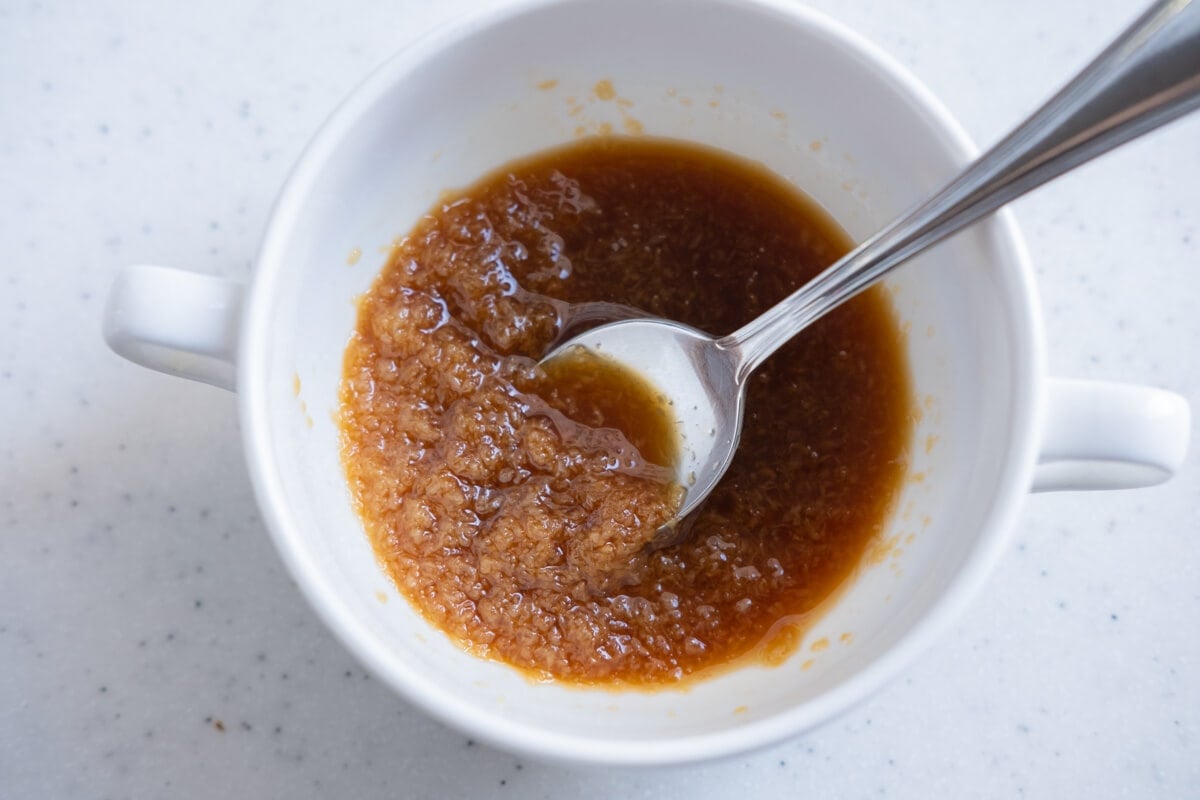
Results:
<point x="177" y="322"/>
<point x="1101" y="435"/>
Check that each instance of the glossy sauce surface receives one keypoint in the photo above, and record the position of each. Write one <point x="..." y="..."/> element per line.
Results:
<point x="508" y="505"/>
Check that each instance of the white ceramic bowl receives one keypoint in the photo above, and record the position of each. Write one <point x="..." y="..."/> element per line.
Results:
<point x="761" y="78"/>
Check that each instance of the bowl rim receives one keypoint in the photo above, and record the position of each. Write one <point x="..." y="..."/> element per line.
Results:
<point x="1025" y="413"/>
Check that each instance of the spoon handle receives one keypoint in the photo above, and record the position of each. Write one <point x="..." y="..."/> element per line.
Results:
<point x="1149" y="76"/>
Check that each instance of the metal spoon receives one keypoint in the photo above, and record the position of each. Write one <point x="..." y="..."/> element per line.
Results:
<point x="1149" y="76"/>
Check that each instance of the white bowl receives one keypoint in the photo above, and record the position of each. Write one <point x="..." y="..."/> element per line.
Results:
<point x="761" y="78"/>
<point x="767" y="80"/>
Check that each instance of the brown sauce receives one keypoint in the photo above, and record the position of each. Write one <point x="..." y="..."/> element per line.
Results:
<point x="512" y="506"/>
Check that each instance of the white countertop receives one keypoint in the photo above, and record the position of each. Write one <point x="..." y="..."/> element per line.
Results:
<point x="143" y="603"/>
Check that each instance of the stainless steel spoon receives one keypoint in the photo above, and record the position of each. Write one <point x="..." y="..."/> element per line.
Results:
<point x="1149" y="76"/>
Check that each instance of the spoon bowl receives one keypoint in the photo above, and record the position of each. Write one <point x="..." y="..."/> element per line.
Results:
<point x="700" y="376"/>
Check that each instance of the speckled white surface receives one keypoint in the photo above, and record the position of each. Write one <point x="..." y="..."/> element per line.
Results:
<point x="142" y="602"/>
